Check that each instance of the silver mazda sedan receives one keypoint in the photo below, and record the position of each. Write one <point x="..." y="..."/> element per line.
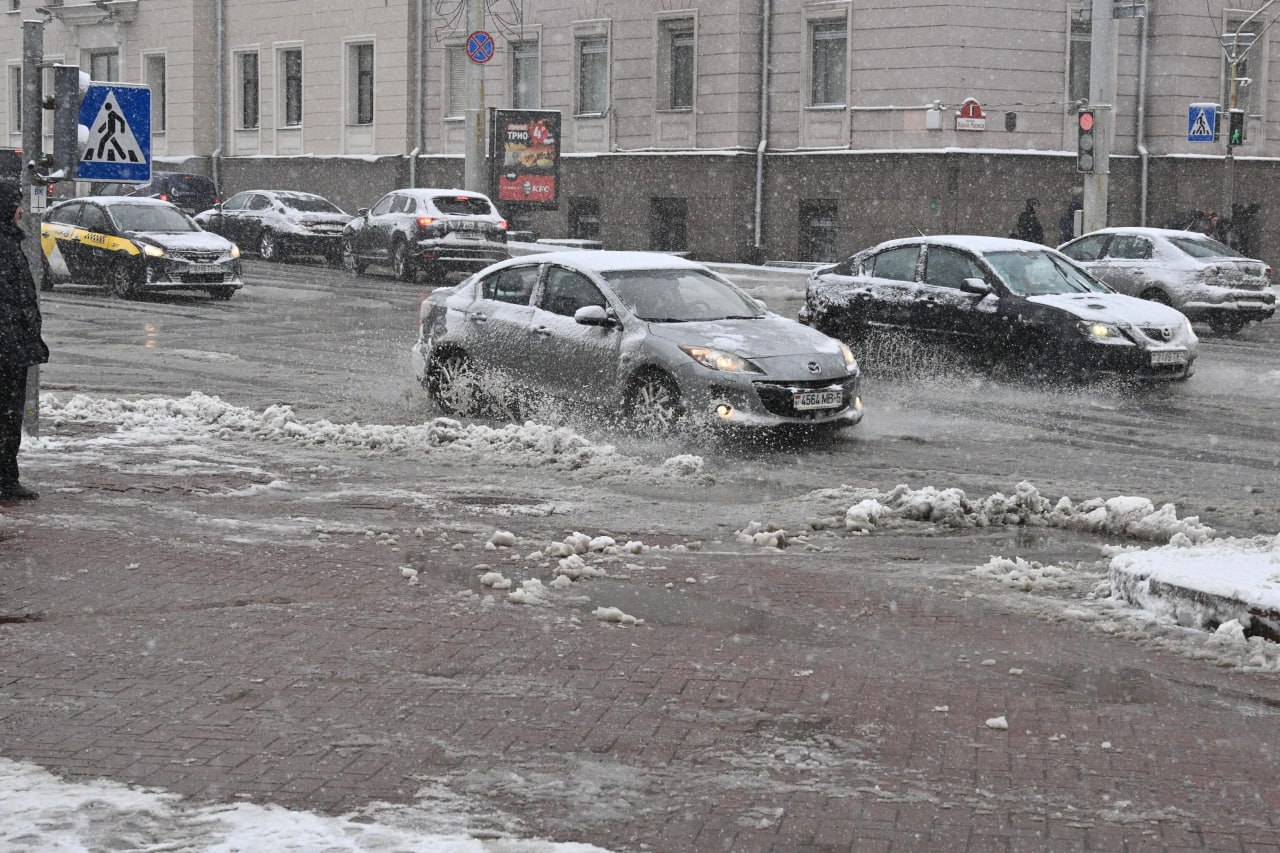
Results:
<point x="654" y="338"/>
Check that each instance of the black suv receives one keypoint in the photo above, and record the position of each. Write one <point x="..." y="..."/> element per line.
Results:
<point x="430" y="230"/>
<point x="189" y="192"/>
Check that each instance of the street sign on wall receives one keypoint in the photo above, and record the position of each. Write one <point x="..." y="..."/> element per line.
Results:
<point x="117" y="117"/>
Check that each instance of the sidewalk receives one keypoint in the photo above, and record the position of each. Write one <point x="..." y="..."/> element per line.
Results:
<point x="307" y="627"/>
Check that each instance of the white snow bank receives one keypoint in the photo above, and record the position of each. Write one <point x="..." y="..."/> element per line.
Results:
<point x="528" y="444"/>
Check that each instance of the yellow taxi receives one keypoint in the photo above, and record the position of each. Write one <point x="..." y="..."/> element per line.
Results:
<point x="132" y="246"/>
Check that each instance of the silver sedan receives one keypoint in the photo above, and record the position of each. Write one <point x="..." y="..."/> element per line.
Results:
<point x="655" y="338"/>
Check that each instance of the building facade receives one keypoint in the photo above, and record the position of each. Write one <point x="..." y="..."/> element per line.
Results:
<point x="738" y="130"/>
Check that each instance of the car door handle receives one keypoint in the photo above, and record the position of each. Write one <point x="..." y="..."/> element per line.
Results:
<point x="542" y="330"/>
<point x="478" y="318"/>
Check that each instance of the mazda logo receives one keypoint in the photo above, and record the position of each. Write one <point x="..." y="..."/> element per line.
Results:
<point x="814" y="367"/>
<point x="1166" y="333"/>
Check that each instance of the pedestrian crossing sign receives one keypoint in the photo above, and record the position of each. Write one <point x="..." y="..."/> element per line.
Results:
<point x="1202" y="122"/>
<point x="116" y="134"/>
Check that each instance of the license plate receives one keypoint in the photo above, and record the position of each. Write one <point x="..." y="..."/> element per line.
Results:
<point x="806" y="400"/>
<point x="1169" y="356"/>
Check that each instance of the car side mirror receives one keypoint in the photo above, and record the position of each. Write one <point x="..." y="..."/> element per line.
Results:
<point x="976" y="285"/>
<point x="592" y="315"/>
<point x="763" y="305"/>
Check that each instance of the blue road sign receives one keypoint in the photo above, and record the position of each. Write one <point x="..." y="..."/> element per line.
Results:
<point x="1202" y="120"/>
<point x="480" y="46"/>
<point x="118" y="119"/>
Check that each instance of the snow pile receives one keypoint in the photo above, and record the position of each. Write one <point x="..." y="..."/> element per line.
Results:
<point x="1024" y="575"/>
<point x="1131" y="516"/>
<point x="1206" y="587"/>
<point x="763" y="535"/>
<point x="529" y="444"/>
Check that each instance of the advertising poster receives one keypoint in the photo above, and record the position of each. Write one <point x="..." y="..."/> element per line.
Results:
<point x="526" y="146"/>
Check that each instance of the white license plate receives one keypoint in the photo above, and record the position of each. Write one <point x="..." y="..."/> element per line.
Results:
<point x="1169" y="356"/>
<point x="806" y="400"/>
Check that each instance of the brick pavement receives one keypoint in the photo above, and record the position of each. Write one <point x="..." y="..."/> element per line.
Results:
<point x="228" y="640"/>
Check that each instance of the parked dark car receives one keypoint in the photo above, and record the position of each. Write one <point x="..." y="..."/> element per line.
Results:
<point x="643" y="336"/>
<point x="999" y="300"/>
<point x="279" y="223"/>
<point x="1206" y="280"/>
<point x="432" y="231"/>
<point x="190" y="193"/>
<point x="134" y="245"/>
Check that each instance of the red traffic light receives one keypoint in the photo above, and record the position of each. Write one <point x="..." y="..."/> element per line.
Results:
<point x="1086" y="121"/>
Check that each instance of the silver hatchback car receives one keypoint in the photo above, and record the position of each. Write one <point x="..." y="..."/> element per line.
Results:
<point x="653" y="338"/>
<point x="1206" y="280"/>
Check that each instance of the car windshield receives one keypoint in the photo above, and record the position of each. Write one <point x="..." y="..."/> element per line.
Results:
<point x="151" y="217"/>
<point x="310" y="204"/>
<point x="1204" y="247"/>
<point x="680" y="296"/>
<point x="1037" y="273"/>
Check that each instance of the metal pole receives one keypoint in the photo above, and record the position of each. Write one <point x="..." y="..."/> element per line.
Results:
<point x="32" y="133"/>
<point x="1102" y="51"/>
<point x="1229" y="161"/>
<point x="474" y="169"/>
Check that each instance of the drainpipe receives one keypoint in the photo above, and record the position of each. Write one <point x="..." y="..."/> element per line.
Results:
<point x="1144" y="155"/>
<point x="765" y="34"/>
<point x="219" y="90"/>
<point x="419" y="111"/>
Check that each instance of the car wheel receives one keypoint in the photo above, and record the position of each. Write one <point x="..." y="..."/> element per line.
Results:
<point x="270" y="247"/>
<point x="401" y="264"/>
<point x="1227" y="325"/>
<point x="454" y="385"/>
<point x="653" y="404"/>
<point x="123" y="280"/>
<point x="1155" y="294"/>
<point x="221" y="292"/>
<point x="351" y="262"/>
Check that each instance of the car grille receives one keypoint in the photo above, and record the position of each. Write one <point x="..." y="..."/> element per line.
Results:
<point x="196" y="257"/>
<point x="777" y="396"/>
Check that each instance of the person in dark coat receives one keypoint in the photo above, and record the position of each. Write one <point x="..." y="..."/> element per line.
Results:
<point x="20" y="343"/>
<point x="1029" y="227"/>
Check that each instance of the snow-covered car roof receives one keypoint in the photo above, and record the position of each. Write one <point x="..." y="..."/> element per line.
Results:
<point x="119" y="199"/>
<point x="973" y="242"/>
<point x="1147" y="232"/>
<point x="607" y="260"/>
<point x="432" y="192"/>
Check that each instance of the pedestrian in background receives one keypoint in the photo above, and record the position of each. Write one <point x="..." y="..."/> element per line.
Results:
<point x="1029" y="227"/>
<point x="20" y="343"/>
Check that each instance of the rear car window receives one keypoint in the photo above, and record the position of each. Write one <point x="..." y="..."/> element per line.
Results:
<point x="1204" y="247"/>
<point x="462" y="205"/>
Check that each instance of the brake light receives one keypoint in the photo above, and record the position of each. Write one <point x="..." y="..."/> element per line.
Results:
<point x="164" y="196"/>
<point x="502" y="223"/>
<point x="424" y="221"/>
<point x="1268" y="272"/>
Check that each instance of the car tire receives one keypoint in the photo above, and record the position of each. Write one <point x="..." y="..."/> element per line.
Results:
<point x="222" y="292"/>
<point x="1227" y="325"/>
<point x="351" y="262"/>
<point x="402" y="266"/>
<point x="1155" y="294"/>
<point x="454" y="385"/>
<point x="271" y="247"/>
<point x="123" y="280"/>
<point x="653" y="404"/>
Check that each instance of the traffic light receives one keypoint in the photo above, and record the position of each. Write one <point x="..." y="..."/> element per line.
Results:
<point x="1235" y="128"/>
<point x="1084" y="141"/>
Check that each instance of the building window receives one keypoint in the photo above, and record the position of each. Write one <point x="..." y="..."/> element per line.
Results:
<point x="1079" y="56"/>
<point x="15" y="99"/>
<point x="360" y="65"/>
<point x="455" y="58"/>
<point x="526" y="76"/>
<point x="668" y="224"/>
<point x="247" y="86"/>
<point x="104" y="65"/>
<point x="676" y="64"/>
<point x="15" y="5"/>
<point x="584" y="218"/>
<point x="153" y="70"/>
<point x="291" y="86"/>
<point x="818" y="230"/>
<point x="593" y="75"/>
<point x="829" y="44"/>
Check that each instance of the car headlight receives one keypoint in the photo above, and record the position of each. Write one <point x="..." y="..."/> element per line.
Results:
<point x="720" y="360"/>
<point x="235" y="250"/>
<point x="850" y="363"/>
<point x="151" y="251"/>
<point x="1108" y="333"/>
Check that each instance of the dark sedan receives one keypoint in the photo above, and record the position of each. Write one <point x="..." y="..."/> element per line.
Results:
<point x="996" y="299"/>
<point x="279" y="223"/>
